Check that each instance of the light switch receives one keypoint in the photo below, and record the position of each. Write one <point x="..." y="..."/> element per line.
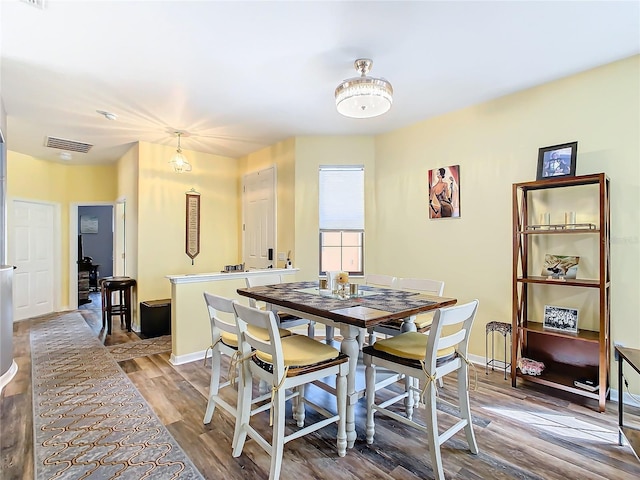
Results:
<point x="281" y="256"/>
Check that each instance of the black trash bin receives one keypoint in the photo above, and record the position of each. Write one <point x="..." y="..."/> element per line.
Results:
<point x="155" y="317"/>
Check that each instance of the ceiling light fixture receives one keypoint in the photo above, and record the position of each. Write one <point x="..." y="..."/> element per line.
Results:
<point x="179" y="162"/>
<point x="364" y="97"/>
<point x="108" y="115"/>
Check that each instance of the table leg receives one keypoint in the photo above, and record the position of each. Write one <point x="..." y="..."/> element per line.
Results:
<point x="620" y="395"/>
<point x="349" y="346"/>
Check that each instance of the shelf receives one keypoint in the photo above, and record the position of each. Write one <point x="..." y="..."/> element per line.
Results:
<point x="557" y="229"/>
<point x="560" y="382"/>
<point x="584" y="335"/>
<point x="573" y="282"/>
<point x="562" y="182"/>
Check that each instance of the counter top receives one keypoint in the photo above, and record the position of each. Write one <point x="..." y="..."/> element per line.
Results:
<point x="221" y="276"/>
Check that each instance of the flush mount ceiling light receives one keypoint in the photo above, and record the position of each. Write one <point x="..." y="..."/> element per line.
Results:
<point x="179" y="162"/>
<point x="363" y="96"/>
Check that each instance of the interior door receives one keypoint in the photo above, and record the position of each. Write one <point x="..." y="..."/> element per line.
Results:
<point x="259" y="206"/>
<point x="32" y="236"/>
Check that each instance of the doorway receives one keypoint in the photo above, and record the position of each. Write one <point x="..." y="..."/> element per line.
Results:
<point x="35" y="233"/>
<point x="259" y="228"/>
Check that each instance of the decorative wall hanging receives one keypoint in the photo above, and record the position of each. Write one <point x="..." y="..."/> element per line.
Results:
<point x="89" y="224"/>
<point x="192" y="246"/>
<point x="444" y="192"/>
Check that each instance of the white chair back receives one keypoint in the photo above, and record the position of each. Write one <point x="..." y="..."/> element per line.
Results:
<point x="462" y="315"/>
<point x="246" y="316"/>
<point x="215" y="306"/>
<point x="425" y="285"/>
<point x="380" y="280"/>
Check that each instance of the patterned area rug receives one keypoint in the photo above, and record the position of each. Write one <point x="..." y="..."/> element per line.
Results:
<point x="89" y="419"/>
<point x="141" y="348"/>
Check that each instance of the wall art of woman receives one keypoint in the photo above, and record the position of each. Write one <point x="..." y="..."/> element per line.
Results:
<point x="444" y="192"/>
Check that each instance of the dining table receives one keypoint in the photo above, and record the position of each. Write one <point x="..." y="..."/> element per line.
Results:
<point x="365" y="308"/>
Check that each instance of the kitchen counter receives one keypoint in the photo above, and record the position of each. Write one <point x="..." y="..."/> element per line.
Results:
<point x="190" y="328"/>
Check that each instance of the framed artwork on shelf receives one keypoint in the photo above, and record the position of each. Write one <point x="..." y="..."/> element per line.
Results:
<point x="557" y="161"/>
<point x="559" y="267"/>
<point x="560" y="318"/>
<point x="444" y="192"/>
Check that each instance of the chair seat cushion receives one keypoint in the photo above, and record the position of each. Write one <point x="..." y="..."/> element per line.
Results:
<point x="410" y="345"/>
<point x="422" y="322"/>
<point x="301" y="351"/>
<point x="231" y="339"/>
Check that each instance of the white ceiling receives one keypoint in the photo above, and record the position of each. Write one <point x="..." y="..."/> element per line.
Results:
<point x="239" y="76"/>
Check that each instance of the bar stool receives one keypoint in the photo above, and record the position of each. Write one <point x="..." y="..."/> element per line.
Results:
<point x="503" y="329"/>
<point x="123" y="286"/>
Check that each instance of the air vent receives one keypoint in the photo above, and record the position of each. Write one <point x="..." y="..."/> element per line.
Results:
<point x="68" y="145"/>
<point x="35" y="3"/>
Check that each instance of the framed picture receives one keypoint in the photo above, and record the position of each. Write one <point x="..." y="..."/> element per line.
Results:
<point x="444" y="192"/>
<point x="557" y="161"/>
<point x="560" y="318"/>
<point x="560" y="266"/>
<point x="89" y="224"/>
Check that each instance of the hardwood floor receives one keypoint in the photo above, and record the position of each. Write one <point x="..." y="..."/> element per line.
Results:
<point x="522" y="433"/>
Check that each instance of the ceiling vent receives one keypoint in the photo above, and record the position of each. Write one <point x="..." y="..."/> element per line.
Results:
<point x="68" y="145"/>
<point x="35" y="3"/>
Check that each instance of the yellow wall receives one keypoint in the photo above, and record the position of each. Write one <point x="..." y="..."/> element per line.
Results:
<point x="311" y="153"/>
<point x="29" y="178"/>
<point x="283" y="156"/>
<point x="161" y="217"/>
<point x="496" y="144"/>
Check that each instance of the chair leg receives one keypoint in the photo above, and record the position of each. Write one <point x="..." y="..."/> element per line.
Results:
<point x="370" y="379"/>
<point x="329" y="334"/>
<point x="108" y="312"/>
<point x="465" y="410"/>
<point x="409" y="399"/>
<point x="244" y="411"/>
<point x="277" y="440"/>
<point x="298" y="409"/>
<point x="432" y="432"/>
<point x="341" y="399"/>
<point x="214" y="385"/>
<point x="311" y="329"/>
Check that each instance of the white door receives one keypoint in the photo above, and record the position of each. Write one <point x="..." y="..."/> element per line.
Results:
<point x="259" y="206"/>
<point x="32" y="241"/>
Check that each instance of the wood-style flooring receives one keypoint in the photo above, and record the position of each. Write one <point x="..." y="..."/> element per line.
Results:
<point x="523" y="433"/>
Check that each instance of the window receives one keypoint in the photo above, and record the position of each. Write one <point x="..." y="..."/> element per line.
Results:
<point x="342" y="219"/>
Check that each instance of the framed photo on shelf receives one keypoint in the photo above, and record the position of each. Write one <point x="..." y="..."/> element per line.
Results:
<point x="557" y="161"/>
<point x="563" y="319"/>
<point x="560" y="266"/>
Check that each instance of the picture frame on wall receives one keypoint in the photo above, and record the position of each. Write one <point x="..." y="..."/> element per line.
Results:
<point x="557" y="161"/>
<point x="89" y="224"/>
<point x="444" y="192"/>
<point x="563" y="319"/>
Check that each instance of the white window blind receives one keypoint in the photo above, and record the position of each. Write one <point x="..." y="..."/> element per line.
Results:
<point x="342" y="198"/>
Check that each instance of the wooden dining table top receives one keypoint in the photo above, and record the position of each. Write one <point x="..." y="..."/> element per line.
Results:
<point x="372" y="306"/>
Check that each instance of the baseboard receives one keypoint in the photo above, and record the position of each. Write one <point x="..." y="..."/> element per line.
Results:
<point x="8" y="375"/>
<point x="189" y="357"/>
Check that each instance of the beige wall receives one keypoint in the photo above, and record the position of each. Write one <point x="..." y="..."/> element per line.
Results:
<point x="311" y="153"/>
<point x="29" y="178"/>
<point x="282" y="155"/>
<point x="161" y="217"/>
<point x="496" y="144"/>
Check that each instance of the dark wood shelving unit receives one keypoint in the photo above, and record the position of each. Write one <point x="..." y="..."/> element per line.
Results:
<point x="567" y="356"/>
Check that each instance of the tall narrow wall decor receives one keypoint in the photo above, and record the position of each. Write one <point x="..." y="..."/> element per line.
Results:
<point x="192" y="244"/>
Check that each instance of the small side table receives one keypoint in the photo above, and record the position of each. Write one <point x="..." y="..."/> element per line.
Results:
<point x="503" y="329"/>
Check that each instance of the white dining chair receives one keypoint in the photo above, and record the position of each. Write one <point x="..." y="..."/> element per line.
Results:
<point x="287" y="363"/>
<point x="427" y="357"/>
<point x="378" y="280"/>
<point x="224" y="341"/>
<point x="285" y="320"/>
